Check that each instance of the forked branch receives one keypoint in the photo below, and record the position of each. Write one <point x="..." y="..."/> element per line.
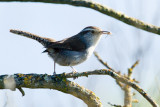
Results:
<point x="125" y="83"/>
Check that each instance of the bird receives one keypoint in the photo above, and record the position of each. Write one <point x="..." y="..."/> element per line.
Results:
<point x="71" y="51"/>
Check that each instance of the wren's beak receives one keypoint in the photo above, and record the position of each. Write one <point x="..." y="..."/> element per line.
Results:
<point x="106" y="32"/>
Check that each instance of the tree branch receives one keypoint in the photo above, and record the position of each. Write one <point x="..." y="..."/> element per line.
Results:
<point x="114" y="105"/>
<point x="102" y="62"/>
<point x="59" y="82"/>
<point x="50" y="82"/>
<point x="22" y="91"/>
<point x="127" y="89"/>
<point x="115" y="76"/>
<point x="102" y="9"/>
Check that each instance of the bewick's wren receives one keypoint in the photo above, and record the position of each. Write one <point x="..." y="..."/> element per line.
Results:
<point x="70" y="51"/>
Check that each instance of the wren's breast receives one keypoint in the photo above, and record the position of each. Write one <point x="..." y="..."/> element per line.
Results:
<point x="69" y="58"/>
<point x="90" y="50"/>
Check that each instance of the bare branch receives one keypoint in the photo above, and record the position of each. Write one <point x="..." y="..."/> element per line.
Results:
<point x="135" y="64"/>
<point x="62" y="84"/>
<point x="127" y="96"/>
<point x="127" y="89"/>
<point x="115" y="76"/>
<point x="102" y="9"/>
<point x="114" y="105"/>
<point x="52" y="82"/>
<point x="128" y="82"/>
<point x="22" y="91"/>
<point x="135" y="101"/>
<point x="130" y="70"/>
<point x="121" y="85"/>
<point x="102" y="62"/>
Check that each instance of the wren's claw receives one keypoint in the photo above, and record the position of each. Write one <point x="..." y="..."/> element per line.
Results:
<point x="54" y="73"/>
<point x="73" y="70"/>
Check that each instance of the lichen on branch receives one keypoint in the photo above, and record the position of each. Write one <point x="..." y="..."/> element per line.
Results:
<point x="57" y="82"/>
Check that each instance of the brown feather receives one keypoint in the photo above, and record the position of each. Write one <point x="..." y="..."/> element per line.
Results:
<point x="69" y="44"/>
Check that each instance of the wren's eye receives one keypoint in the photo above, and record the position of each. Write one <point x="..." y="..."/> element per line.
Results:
<point x="92" y="31"/>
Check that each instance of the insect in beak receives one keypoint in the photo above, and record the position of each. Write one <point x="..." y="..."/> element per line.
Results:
<point x="106" y="32"/>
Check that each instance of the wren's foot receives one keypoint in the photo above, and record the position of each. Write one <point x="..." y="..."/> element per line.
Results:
<point x="54" y="73"/>
<point x="73" y="70"/>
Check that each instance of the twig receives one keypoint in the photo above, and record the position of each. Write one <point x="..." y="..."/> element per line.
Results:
<point x="127" y="89"/>
<point x="135" y="101"/>
<point x="21" y="90"/>
<point x="131" y="69"/>
<point x="114" y="105"/>
<point x="102" y="62"/>
<point x="135" y="64"/>
<point x="121" y="85"/>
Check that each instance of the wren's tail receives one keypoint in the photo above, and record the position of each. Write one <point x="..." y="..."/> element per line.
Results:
<point x="44" y="41"/>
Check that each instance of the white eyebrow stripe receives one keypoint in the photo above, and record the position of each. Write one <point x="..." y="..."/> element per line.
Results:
<point x="88" y="29"/>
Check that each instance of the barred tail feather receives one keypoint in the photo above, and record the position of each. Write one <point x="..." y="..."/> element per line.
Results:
<point x="44" y="41"/>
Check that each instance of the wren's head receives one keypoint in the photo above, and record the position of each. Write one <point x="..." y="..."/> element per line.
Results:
<point x="94" y="30"/>
<point x="91" y="35"/>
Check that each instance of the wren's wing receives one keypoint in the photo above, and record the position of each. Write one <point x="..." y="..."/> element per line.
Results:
<point x="72" y="43"/>
<point x="44" y="41"/>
